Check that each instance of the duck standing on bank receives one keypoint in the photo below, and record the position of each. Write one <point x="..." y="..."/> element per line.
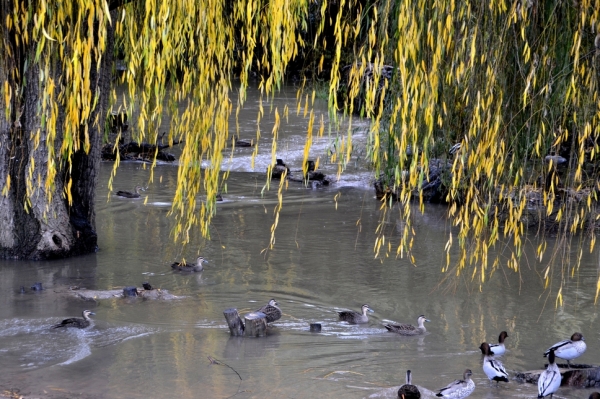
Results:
<point x="491" y="367"/>
<point x="271" y="310"/>
<point x="458" y="388"/>
<point x="127" y="194"/>
<point x="499" y="348"/>
<point x="550" y="379"/>
<point x="569" y="349"/>
<point x="353" y="317"/>
<point x="408" y="390"/>
<point x="183" y="267"/>
<point x="409" y="329"/>
<point x="75" y="321"/>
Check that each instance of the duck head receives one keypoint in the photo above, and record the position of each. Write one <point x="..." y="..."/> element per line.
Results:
<point x="87" y="313"/>
<point x="366" y="308"/>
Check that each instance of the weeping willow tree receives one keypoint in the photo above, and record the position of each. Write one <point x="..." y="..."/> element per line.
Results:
<point x="513" y="87"/>
<point x="511" y="82"/>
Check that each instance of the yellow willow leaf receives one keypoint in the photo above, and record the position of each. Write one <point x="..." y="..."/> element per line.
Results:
<point x="47" y="35"/>
<point x="107" y="11"/>
<point x="6" y="187"/>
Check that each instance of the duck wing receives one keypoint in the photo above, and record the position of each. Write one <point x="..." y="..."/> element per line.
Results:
<point x="70" y="322"/>
<point x="273" y="313"/>
<point x="403" y="329"/>
<point x="451" y="388"/>
<point x="348" y="315"/>
<point x="557" y="346"/>
<point x="495" y="370"/>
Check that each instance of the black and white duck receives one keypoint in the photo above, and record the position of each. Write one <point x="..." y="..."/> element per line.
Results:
<point x="493" y="368"/>
<point x="409" y="329"/>
<point x="271" y="310"/>
<point x="550" y="379"/>
<point x="408" y="390"/>
<point x="458" y="388"/>
<point x="499" y="348"/>
<point x="184" y="267"/>
<point x="353" y="317"/>
<point x="127" y="194"/>
<point x="75" y="321"/>
<point x="569" y="349"/>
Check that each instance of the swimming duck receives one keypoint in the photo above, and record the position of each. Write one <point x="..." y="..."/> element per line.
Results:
<point x="408" y="390"/>
<point x="76" y="322"/>
<point x="569" y="349"/>
<point x="353" y="317"/>
<point x="499" y="348"/>
<point x="271" y="310"/>
<point x="128" y="194"/>
<point x="408" y="329"/>
<point x="183" y="267"/>
<point x="550" y="379"/>
<point x="594" y="395"/>
<point x="458" y="388"/>
<point x="279" y="169"/>
<point x="493" y="368"/>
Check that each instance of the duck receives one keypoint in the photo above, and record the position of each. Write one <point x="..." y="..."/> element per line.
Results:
<point x="271" y="310"/>
<point x="492" y="368"/>
<point x="550" y="379"/>
<point x="569" y="349"/>
<point x="499" y="348"/>
<point x="280" y="169"/>
<point x="409" y="329"/>
<point x="184" y="267"/>
<point x="75" y="321"/>
<point x="408" y="390"/>
<point x="353" y="317"/>
<point x="594" y="395"/>
<point x="128" y="194"/>
<point x="458" y="388"/>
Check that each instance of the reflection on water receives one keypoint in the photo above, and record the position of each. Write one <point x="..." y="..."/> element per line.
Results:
<point x="322" y="262"/>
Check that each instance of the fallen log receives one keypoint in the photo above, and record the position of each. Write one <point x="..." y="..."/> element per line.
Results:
<point x="579" y="375"/>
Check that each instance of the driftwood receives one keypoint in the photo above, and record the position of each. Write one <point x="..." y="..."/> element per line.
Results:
<point x="579" y="375"/>
<point x="95" y="295"/>
<point x="256" y="324"/>
<point x="134" y="151"/>
<point x="234" y="321"/>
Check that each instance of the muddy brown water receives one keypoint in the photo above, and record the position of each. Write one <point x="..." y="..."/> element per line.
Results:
<point x="323" y="261"/>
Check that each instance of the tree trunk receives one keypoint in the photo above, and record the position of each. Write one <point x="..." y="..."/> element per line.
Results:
<point x="37" y="223"/>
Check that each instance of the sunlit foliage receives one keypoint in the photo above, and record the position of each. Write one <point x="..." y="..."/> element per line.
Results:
<point x="511" y="81"/>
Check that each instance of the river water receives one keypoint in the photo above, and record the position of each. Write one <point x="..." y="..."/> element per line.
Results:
<point x="322" y="262"/>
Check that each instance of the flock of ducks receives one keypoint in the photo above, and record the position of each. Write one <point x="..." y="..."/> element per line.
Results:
<point x="548" y="383"/>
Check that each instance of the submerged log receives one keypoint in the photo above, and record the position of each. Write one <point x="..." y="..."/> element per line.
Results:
<point x="234" y="321"/>
<point x="579" y="375"/>
<point x="130" y="291"/>
<point x="256" y="324"/>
